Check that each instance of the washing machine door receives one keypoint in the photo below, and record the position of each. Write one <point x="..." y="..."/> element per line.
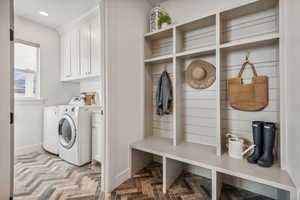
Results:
<point x="67" y="131"/>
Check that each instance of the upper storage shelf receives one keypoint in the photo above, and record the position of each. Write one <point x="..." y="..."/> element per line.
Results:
<point x="197" y="36"/>
<point x="254" y="20"/>
<point x="159" y="45"/>
<point x="162" y="33"/>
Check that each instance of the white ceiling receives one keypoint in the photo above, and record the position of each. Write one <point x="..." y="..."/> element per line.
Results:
<point x="60" y="11"/>
<point x="156" y="2"/>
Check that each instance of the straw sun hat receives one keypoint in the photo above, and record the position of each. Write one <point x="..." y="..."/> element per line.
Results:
<point x="200" y="74"/>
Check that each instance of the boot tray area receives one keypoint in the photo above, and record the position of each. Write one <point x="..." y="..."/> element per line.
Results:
<point x="205" y="156"/>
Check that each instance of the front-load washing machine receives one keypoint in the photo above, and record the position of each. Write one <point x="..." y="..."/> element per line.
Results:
<point x="75" y="134"/>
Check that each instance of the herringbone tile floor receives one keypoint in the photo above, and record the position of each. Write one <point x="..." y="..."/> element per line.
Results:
<point x="41" y="176"/>
<point x="147" y="185"/>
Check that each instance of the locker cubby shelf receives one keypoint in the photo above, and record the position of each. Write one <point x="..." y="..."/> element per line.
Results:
<point x="223" y="38"/>
<point x="157" y="125"/>
<point x="197" y="108"/>
<point x="265" y="58"/>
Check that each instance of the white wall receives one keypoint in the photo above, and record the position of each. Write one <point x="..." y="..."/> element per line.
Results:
<point x="93" y="85"/>
<point x="126" y="24"/>
<point x="182" y="11"/>
<point x="29" y="118"/>
<point x="293" y="92"/>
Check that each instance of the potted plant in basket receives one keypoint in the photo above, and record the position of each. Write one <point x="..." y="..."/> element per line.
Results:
<point x="164" y="21"/>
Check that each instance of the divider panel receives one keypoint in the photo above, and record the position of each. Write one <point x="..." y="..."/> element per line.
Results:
<point x="139" y="160"/>
<point x="171" y="170"/>
<point x="216" y="185"/>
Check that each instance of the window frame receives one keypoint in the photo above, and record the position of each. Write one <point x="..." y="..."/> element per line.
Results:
<point x="38" y="74"/>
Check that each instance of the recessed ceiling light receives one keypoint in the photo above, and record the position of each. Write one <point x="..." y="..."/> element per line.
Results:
<point x="44" y="13"/>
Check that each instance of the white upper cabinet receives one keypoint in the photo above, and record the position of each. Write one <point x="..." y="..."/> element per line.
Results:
<point x="81" y="49"/>
<point x="95" y="46"/>
<point x="85" y="49"/>
<point x="75" y="60"/>
<point x="65" y="57"/>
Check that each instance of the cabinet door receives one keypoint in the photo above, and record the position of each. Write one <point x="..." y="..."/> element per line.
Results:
<point x="95" y="46"/>
<point x="74" y="49"/>
<point x="85" y="50"/>
<point x="65" y="57"/>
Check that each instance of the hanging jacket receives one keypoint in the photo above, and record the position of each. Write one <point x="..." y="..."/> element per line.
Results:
<point x="164" y="94"/>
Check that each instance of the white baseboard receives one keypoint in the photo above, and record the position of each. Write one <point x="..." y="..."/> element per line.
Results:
<point x="98" y="158"/>
<point x="121" y="178"/>
<point x="28" y="149"/>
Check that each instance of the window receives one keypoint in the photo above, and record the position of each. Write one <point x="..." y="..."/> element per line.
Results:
<point x="27" y="56"/>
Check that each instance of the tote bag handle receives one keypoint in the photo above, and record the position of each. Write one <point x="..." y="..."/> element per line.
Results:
<point x="244" y="66"/>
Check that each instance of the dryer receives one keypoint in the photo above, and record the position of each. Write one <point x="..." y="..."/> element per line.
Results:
<point x="75" y="134"/>
<point x="50" y="133"/>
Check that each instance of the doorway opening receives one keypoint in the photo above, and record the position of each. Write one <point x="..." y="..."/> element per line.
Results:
<point x="59" y="148"/>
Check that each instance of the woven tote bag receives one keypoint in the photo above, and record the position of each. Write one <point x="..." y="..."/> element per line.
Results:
<point x="248" y="97"/>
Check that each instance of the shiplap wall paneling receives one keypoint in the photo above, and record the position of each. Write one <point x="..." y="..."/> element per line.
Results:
<point x="198" y="106"/>
<point x="196" y="34"/>
<point x="255" y="19"/>
<point x="171" y="170"/>
<point x="160" y="44"/>
<point x="255" y="187"/>
<point x="161" y="125"/>
<point x="266" y="61"/>
<point x="148" y="114"/>
<point x="216" y="185"/>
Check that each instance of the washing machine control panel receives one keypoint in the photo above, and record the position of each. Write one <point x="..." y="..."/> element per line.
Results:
<point x="70" y="109"/>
